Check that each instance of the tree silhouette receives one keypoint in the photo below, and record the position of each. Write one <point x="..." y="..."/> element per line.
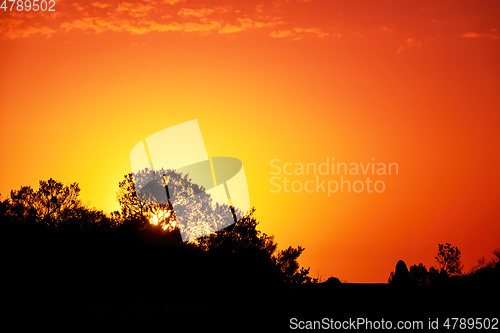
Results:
<point x="401" y="276"/>
<point x="240" y="240"/>
<point x="53" y="205"/>
<point x="486" y="270"/>
<point x="419" y="274"/>
<point x="135" y="264"/>
<point x="448" y="259"/>
<point x="243" y="238"/>
<point x="290" y="268"/>
<point x="53" y="201"/>
<point x="449" y="262"/>
<point x="150" y="196"/>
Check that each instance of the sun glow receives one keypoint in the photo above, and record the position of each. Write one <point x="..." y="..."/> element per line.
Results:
<point x="164" y="220"/>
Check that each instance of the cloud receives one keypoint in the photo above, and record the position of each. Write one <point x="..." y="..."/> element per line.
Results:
<point x="205" y="26"/>
<point x="77" y="6"/>
<point x="93" y="24"/>
<point x="172" y="2"/>
<point x="141" y="27"/>
<point x="412" y="42"/>
<point x="246" y="22"/>
<point x="280" y="33"/>
<point x="314" y="31"/>
<point x="409" y="43"/>
<point x="299" y="33"/>
<point x="134" y="9"/>
<point x="470" y="35"/>
<point x="201" y="12"/>
<point x="477" y="35"/>
<point x="101" y="5"/>
<point x="13" y="29"/>
<point x="229" y="29"/>
<point x="146" y="16"/>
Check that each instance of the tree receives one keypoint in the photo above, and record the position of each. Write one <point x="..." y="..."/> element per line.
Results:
<point x="401" y="275"/>
<point x="53" y="202"/>
<point x="53" y="205"/>
<point x="419" y="274"/>
<point x="239" y="250"/>
<point x="142" y="196"/>
<point x="486" y="270"/>
<point x="291" y="271"/>
<point x="448" y="259"/>
<point x="149" y="196"/>
<point x="244" y="237"/>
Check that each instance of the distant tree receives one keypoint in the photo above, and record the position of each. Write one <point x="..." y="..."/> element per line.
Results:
<point x="481" y="264"/>
<point x="434" y="274"/>
<point x="448" y="259"/>
<point x="401" y="275"/>
<point x="486" y="270"/>
<point x="419" y="274"/>
<point x="332" y="282"/>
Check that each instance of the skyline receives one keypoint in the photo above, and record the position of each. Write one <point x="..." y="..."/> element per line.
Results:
<point x="300" y="81"/>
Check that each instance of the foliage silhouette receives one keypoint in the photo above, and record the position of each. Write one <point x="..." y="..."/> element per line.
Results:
<point x="486" y="273"/>
<point x="243" y="239"/>
<point x="65" y="260"/>
<point x="194" y="207"/>
<point x="419" y="274"/>
<point x="240" y="254"/>
<point x="486" y="270"/>
<point x="401" y="276"/>
<point x="448" y="259"/>
<point x="241" y="242"/>
<point x="55" y="206"/>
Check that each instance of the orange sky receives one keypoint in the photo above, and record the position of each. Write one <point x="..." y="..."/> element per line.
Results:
<point x="414" y="83"/>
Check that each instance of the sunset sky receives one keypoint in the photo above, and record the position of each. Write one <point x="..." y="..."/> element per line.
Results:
<point x="415" y="83"/>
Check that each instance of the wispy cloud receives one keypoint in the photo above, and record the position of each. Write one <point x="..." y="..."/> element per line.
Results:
<point x="15" y="28"/>
<point x="409" y="43"/>
<point x="101" y="5"/>
<point x="281" y="33"/>
<point x="299" y="33"/>
<point x="479" y="35"/>
<point x="144" y="16"/>
<point x="201" y="12"/>
<point x="134" y="9"/>
<point x="172" y="2"/>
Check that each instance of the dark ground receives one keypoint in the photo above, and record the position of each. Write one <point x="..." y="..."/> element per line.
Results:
<point x="110" y="281"/>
